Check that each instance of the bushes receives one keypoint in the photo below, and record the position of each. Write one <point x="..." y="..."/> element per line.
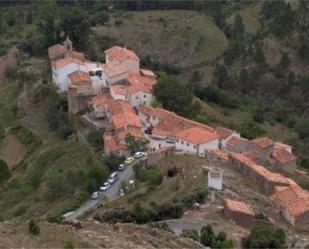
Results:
<point x="152" y="174"/>
<point x="5" y="172"/>
<point x="190" y="233"/>
<point x="208" y="238"/>
<point x="199" y="196"/>
<point x="95" y="138"/>
<point x="34" y="227"/>
<point x="265" y="237"/>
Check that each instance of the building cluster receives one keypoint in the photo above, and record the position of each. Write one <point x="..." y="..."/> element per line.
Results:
<point x="116" y="97"/>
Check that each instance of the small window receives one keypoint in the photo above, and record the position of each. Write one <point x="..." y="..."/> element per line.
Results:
<point x="136" y="97"/>
<point x="188" y="144"/>
<point x="194" y="146"/>
<point x="177" y="140"/>
<point x="144" y="96"/>
<point x="181" y="142"/>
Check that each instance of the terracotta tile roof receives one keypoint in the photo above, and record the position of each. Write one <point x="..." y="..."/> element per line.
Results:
<point x="64" y="62"/>
<point x="113" y="69"/>
<point x="79" y="78"/>
<point x="260" y="170"/>
<point x="56" y="51"/>
<point x="238" y="206"/>
<point x="121" y="54"/>
<point x="293" y="198"/>
<point x="133" y="131"/>
<point x="196" y="135"/>
<point x="126" y="119"/>
<point x="253" y="155"/>
<point x="223" y="133"/>
<point x="283" y="156"/>
<point x="263" y="142"/>
<point x="148" y="73"/>
<point x="101" y="99"/>
<point x="279" y="145"/>
<point x="219" y="153"/>
<point x="234" y="141"/>
<point x="79" y="56"/>
<point x="140" y="83"/>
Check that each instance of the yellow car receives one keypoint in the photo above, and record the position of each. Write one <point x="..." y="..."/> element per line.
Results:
<point x="129" y="160"/>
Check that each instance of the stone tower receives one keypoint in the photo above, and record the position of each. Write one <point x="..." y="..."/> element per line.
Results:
<point x="68" y="47"/>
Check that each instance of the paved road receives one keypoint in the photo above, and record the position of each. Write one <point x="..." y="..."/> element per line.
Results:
<point x="108" y="195"/>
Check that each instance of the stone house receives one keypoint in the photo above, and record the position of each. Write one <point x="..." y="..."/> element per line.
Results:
<point x="281" y="159"/>
<point x="241" y="213"/>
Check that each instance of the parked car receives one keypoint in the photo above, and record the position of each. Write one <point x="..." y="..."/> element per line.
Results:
<point x="113" y="178"/>
<point x="121" y="167"/>
<point x="129" y="160"/>
<point x="95" y="195"/>
<point x="91" y="73"/>
<point x="105" y="186"/>
<point x="98" y="73"/>
<point x="139" y="154"/>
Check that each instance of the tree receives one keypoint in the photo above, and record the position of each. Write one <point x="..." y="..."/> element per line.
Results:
<point x="221" y="76"/>
<point x="34" y="227"/>
<point x="207" y="236"/>
<point x="259" y="54"/>
<point x="5" y="172"/>
<point x="136" y="144"/>
<point x="75" y="24"/>
<point x="47" y="22"/>
<point x="175" y="96"/>
<point x="265" y="237"/>
<point x="284" y="61"/>
<point x="302" y="127"/>
<point x="141" y="215"/>
<point x="238" y="26"/>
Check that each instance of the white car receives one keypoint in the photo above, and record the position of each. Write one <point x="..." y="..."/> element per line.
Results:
<point x="121" y="167"/>
<point x="105" y="186"/>
<point x="113" y="178"/>
<point x="139" y="154"/>
<point x="95" y="195"/>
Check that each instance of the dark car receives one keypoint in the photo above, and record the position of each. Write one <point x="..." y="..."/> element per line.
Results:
<point x="91" y="73"/>
<point x="98" y="73"/>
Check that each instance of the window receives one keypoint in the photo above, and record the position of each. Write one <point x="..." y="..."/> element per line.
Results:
<point x="188" y="144"/>
<point x="144" y="96"/>
<point x="136" y="97"/>
<point x="181" y="142"/>
<point x="194" y="146"/>
<point x="177" y="140"/>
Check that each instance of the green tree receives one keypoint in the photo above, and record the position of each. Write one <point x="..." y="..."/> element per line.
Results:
<point x="175" y="96"/>
<point x="259" y="54"/>
<point x="238" y="26"/>
<point x="75" y="24"/>
<point x="265" y="237"/>
<point x="221" y="76"/>
<point x="140" y="213"/>
<point x="207" y="236"/>
<point x="5" y="172"/>
<point x="34" y="227"/>
<point x="302" y="127"/>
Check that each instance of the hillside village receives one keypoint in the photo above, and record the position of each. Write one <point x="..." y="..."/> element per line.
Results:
<point x="116" y="97"/>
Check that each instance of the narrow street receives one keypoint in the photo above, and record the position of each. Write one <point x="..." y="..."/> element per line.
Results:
<point x="108" y="195"/>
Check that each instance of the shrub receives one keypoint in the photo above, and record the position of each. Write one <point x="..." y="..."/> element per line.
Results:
<point x="5" y="172"/>
<point x="69" y="245"/>
<point x="95" y="138"/>
<point x="34" y="227"/>
<point x="10" y="72"/>
<point x="190" y="233"/>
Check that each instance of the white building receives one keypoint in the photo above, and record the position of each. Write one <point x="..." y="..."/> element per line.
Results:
<point x="215" y="179"/>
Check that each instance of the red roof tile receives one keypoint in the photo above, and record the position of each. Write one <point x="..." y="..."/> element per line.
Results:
<point x="238" y="206"/>
<point x="196" y="135"/>
<point x="234" y="141"/>
<point x="79" y="78"/>
<point x="56" y="51"/>
<point x="263" y="142"/>
<point x="64" y="62"/>
<point x="223" y="133"/>
<point x="120" y="54"/>
<point x="283" y="156"/>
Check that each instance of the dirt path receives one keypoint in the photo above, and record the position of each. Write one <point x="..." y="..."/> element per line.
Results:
<point x="13" y="151"/>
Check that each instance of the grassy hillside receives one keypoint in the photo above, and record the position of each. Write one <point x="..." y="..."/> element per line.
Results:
<point x="56" y="175"/>
<point x="177" y="37"/>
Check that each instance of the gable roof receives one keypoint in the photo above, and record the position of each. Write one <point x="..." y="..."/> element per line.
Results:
<point x="126" y="119"/>
<point x="55" y="51"/>
<point x="60" y="63"/>
<point x="234" y="141"/>
<point x="223" y="133"/>
<point x="79" y="78"/>
<point x="121" y="54"/>
<point x="196" y="135"/>
<point x="238" y="206"/>
<point x="283" y="156"/>
<point x="263" y="142"/>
